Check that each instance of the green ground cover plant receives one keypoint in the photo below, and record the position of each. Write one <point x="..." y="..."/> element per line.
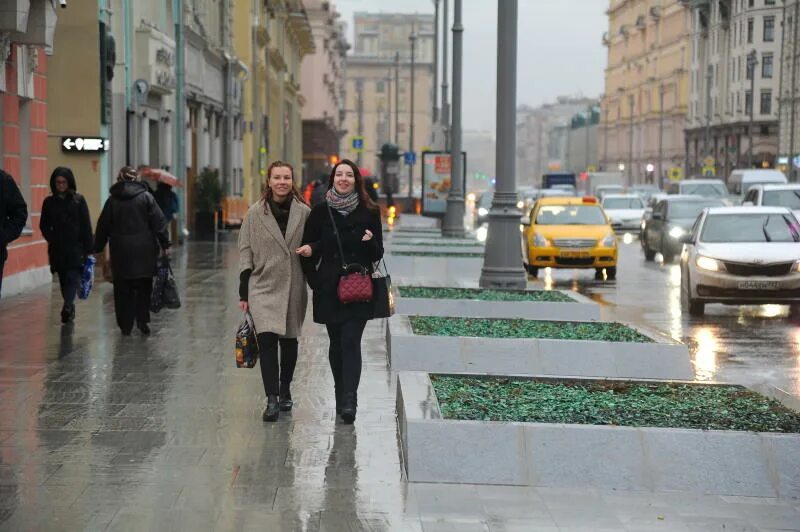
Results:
<point x="549" y="296"/>
<point x="520" y="328"/>
<point x="436" y="254"/>
<point x="692" y="406"/>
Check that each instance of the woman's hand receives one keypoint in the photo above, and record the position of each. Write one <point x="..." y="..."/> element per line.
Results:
<point x="244" y="306"/>
<point x="367" y="236"/>
<point x="304" y="251"/>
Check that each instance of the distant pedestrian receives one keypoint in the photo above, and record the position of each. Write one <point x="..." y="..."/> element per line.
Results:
<point x="168" y="202"/>
<point x="320" y="189"/>
<point x="271" y="281"/>
<point x="66" y="226"/>
<point x="13" y="216"/>
<point x="136" y="230"/>
<point x="358" y="224"/>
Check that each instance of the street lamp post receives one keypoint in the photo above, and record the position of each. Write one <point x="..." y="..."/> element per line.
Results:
<point x="661" y="91"/>
<point x="630" y="144"/>
<point x="793" y="100"/>
<point x="360" y="113"/>
<point x="752" y="61"/>
<point x="413" y="39"/>
<point x="707" y="141"/>
<point x="397" y="98"/>
<point x="436" y="61"/>
<point x="445" y="113"/>
<point x="502" y="263"/>
<point x="453" y="225"/>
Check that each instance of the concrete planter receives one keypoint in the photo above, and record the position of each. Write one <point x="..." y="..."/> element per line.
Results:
<point x="580" y="309"/>
<point x="433" y="271"/>
<point x="662" y="359"/>
<point x="434" y="247"/>
<point x="605" y="457"/>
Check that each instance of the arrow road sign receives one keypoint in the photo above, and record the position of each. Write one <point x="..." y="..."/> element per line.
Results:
<point x="84" y="144"/>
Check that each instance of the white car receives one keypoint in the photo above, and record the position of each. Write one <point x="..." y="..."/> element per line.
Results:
<point x="741" y="255"/>
<point x="775" y="196"/>
<point x="625" y="211"/>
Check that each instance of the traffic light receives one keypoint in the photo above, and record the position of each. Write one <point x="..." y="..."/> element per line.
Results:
<point x="334" y="160"/>
<point x="390" y="153"/>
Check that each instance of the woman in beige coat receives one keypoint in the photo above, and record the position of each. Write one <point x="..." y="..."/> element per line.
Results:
<point x="271" y="281"/>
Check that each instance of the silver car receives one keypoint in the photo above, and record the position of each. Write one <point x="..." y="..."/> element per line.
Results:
<point x="624" y="210"/>
<point x="741" y="255"/>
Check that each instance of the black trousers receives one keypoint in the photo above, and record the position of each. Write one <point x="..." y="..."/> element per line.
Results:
<point x="2" y="265"/>
<point x="344" y="355"/>
<point x="69" y="281"/>
<point x="132" y="301"/>
<point x="277" y="376"/>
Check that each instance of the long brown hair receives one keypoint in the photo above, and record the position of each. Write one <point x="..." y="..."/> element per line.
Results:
<point x="268" y="191"/>
<point x="363" y="197"/>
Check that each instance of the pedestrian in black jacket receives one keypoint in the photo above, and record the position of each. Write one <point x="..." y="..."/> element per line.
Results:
<point x="358" y="223"/>
<point x="136" y="230"/>
<point x="13" y="216"/>
<point x="66" y="226"/>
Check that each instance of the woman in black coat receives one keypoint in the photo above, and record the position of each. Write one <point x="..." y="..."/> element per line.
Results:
<point x="66" y="226"/>
<point x="358" y="223"/>
<point x="136" y="229"/>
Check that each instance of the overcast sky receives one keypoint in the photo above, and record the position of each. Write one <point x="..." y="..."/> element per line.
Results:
<point x="559" y="41"/>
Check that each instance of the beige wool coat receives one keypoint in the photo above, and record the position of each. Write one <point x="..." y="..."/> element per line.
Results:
<point x="277" y="292"/>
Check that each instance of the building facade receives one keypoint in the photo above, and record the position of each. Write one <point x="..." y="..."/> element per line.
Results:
<point x="323" y="82"/>
<point x="726" y="36"/>
<point x="378" y="89"/>
<point x="581" y="153"/>
<point x="542" y="134"/>
<point x="645" y="104"/>
<point x="26" y="45"/>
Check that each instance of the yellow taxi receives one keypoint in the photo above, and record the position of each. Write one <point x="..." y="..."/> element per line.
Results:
<point x="569" y="233"/>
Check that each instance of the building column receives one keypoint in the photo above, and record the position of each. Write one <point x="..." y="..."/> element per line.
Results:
<point x="144" y="140"/>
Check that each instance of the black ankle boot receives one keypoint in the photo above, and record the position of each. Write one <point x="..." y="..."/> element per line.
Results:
<point x="67" y="314"/>
<point x="144" y="328"/>
<point x="349" y="408"/>
<point x="272" y="411"/>
<point x="338" y="403"/>
<point x="286" y="402"/>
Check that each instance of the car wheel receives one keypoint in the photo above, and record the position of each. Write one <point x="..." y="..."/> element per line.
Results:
<point x="649" y="254"/>
<point x="598" y="274"/>
<point x="668" y="257"/>
<point x="693" y="307"/>
<point x="611" y="273"/>
<point x="533" y="271"/>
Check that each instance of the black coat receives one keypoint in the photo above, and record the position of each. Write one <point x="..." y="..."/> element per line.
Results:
<point x="135" y="227"/>
<point x="66" y="226"/>
<point x="13" y="213"/>
<point x="323" y="268"/>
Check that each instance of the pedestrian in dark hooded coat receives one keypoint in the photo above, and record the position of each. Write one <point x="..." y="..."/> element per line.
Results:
<point x="136" y="230"/>
<point x="66" y="226"/>
<point x="13" y="215"/>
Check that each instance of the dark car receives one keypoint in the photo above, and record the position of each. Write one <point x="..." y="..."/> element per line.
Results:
<point x="672" y="218"/>
<point x="482" y="207"/>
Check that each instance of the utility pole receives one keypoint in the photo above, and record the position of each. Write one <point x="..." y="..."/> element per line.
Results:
<point x="752" y="61"/>
<point x="588" y="122"/>
<point x="445" y="116"/>
<point x="180" y="108"/>
<point x="502" y="263"/>
<point x="453" y="225"/>
<point x="389" y="106"/>
<point x="360" y="112"/>
<point x="436" y="61"/>
<point x="661" y="90"/>
<point x="796" y="22"/>
<point x="413" y="39"/>
<point x="707" y="141"/>
<point x="397" y="98"/>
<point x="630" y="146"/>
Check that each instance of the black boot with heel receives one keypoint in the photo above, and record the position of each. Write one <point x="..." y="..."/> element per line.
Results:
<point x="272" y="411"/>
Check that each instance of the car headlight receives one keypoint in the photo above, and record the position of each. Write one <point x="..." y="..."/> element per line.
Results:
<point x="677" y="232"/>
<point x="707" y="263"/>
<point x="520" y="204"/>
<point x="540" y="241"/>
<point x="483" y="212"/>
<point x="609" y="241"/>
<point x="796" y="267"/>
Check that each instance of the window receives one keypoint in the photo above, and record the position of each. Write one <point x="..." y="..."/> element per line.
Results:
<point x="750" y="71"/>
<point x="766" y="66"/>
<point x="769" y="2"/>
<point x="750" y="3"/>
<point x="750" y="26"/>
<point x="766" y="102"/>
<point x="769" y="29"/>
<point x="748" y="102"/>
<point x="380" y="86"/>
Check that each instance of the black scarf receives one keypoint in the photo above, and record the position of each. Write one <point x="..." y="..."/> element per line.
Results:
<point x="281" y="212"/>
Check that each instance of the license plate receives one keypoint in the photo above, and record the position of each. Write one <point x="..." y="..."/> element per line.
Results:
<point x="758" y="285"/>
<point x="574" y="254"/>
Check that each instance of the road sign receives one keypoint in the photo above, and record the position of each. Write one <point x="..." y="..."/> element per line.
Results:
<point x="591" y="168"/>
<point x="357" y="143"/>
<point x="84" y="144"/>
<point x="709" y="161"/>
<point x="709" y="171"/>
<point x="675" y="174"/>
<point x="410" y="158"/>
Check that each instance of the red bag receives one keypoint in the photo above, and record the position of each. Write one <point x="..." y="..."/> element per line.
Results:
<point x="355" y="283"/>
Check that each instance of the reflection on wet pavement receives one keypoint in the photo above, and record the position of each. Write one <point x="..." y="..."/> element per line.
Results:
<point x="747" y="345"/>
<point x="101" y="432"/>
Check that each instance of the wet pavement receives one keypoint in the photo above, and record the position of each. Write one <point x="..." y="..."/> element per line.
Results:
<point x="101" y="432"/>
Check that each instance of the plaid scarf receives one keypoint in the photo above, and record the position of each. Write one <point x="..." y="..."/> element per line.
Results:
<point x="343" y="204"/>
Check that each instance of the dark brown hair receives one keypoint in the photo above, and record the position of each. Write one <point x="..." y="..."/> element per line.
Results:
<point x="363" y="197"/>
<point x="268" y="191"/>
